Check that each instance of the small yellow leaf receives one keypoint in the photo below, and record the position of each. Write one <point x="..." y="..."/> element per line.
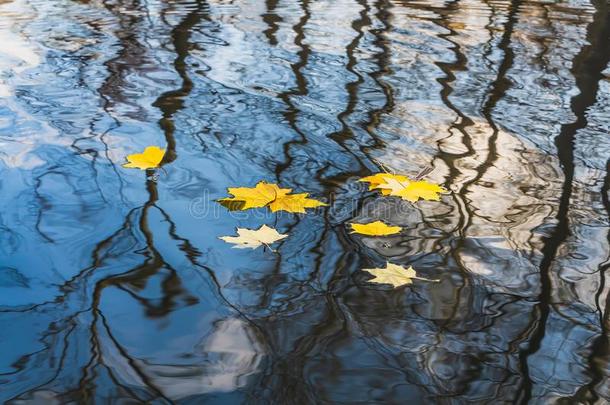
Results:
<point x="395" y="275"/>
<point x="250" y="238"/>
<point x="376" y="228"/>
<point x="294" y="203"/>
<point x="149" y="159"/>
<point x="255" y="197"/>
<point x="456" y="25"/>
<point x="413" y="190"/>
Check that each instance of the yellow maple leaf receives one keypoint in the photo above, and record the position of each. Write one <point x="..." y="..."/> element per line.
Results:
<point x="294" y="203"/>
<point x="254" y="197"/>
<point x="268" y="195"/>
<point x="376" y="228"/>
<point x="413" y="190"/>
<point x="378" y="179"/>
<point x="395" y="275"/>
<point x="402" y="186"/>
<point x="149" y="159"/>
<point x="250" y="238"/>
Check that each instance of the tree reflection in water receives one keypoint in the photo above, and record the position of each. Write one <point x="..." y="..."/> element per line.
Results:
<point x="114" y="290"/>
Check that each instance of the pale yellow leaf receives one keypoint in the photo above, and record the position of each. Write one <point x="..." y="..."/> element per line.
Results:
<point x="395" y="275"/>
<point x="250" y="238"/>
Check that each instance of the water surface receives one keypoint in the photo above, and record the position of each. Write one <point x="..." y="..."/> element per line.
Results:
<point x="114" y="286"/>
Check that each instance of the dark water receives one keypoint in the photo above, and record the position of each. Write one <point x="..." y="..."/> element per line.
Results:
<point x="116" y="289"/>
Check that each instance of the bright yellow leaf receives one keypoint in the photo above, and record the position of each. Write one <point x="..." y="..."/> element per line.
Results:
<point x="402" y="186"/>
<point x="149" y="159"/>
<point x="413" y="190"/>
<point x="250" y="238"/>
<point x="376" y="228"/>
<point x="294" y="203"/>
<point x="268" y="195"/>
<point x="395" y="275"/>
<point x="378" y="179"/>
<point x="255" y="197"/>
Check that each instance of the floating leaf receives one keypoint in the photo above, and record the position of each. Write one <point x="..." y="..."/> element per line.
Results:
<point x="402" y="186"/>
<point x="249" y="238"/>
<point x="255" y="197"/>
<point x="149" y="159"/>
<point x="294" y="203"/>
<point x="268" y="195"/>
<point x="395" y="275"/>
<point x="376" y="228"/>
<point x="378" y="179"/>
<point x="413" y="190"/>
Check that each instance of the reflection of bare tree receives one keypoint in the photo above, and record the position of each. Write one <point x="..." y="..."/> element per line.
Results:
<point x="291" y="112"/>
<point x="272" y="19"/>
<point x="587" y="68"/>
<point x="497" y="90"/>
<point x="466" y="296"/>
<point x="600" y="347"/>
<point x="132" y="280"/>
<point x="286" y="379"/>
<point x="304" y="326"/>
<point x="352" y="88"/>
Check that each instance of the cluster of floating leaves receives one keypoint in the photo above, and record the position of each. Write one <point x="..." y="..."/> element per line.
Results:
<point x="269" y="195"/>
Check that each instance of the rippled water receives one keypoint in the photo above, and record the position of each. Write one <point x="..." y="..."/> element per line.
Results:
<point x="114" y="287"/>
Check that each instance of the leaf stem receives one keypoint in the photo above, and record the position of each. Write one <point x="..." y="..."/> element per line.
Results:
<point x="269" y="247"/>
<point x="426" y="279"/>
<point x="383" y="167"/>
<point x="424" y="172"/>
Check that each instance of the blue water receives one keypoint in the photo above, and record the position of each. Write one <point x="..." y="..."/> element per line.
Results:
<point x="114" y="286"/>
